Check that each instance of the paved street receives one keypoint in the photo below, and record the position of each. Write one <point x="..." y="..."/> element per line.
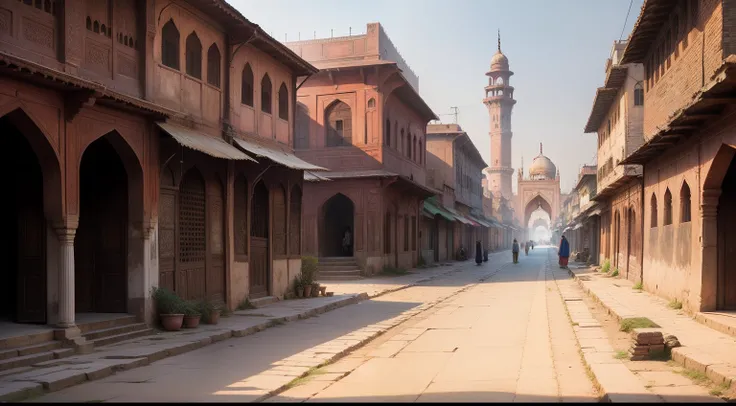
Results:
<point x="506" y="338"/>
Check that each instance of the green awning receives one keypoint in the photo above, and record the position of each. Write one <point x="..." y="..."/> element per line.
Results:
<point x="437" y="211"/>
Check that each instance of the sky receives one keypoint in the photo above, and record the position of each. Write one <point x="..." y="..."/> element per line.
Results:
<point x="556" y="49"/>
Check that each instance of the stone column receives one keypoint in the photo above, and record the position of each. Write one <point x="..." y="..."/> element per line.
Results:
<point x="66" y="277"/>
<point x="709" y="250"/>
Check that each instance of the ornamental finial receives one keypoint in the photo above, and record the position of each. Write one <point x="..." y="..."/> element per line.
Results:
<point x="499" y="40"/>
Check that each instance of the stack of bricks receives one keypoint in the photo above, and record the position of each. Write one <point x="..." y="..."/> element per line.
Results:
<point x="647" y="341"/>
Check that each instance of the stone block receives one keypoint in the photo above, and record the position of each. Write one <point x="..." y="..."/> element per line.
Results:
<point x="656" y="348"/>
<point x="17" y="391"/>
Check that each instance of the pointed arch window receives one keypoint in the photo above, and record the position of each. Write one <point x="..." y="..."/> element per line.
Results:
<point x="401" y="143"/>
<point x="170" y="45"/>
<point x="414" y="149"/>
<point x="421" y="153"/>
<point x="372" y="103"/>
<point x="685" y="208"/>
<point x="213" y="65"/>
<point x="653" y="211"/>
<point x="194" y="56"/>
<point x="667" y="208"/>
<point x="388" y="133"/>
<point x="283" y="102"/>
<point x="339" y="122"/>
<point x="266" y="92"/>
<point x="246" y="86"/>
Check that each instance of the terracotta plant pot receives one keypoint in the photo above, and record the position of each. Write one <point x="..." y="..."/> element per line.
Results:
<point x="329" y="294"/>
<point x="191" y="321"/>
<point x="300" y="292"/>
<point x="322" y="290"/>
<point x="214" y="317"/>
<point x="171" y="322"/>
<point x="308" y="291"/>
<point x="315" y="290"/>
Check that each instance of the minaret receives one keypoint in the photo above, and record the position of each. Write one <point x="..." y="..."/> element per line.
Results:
<point x="500" y="101"/>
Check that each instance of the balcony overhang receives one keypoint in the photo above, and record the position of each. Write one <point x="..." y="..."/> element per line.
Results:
<point x="602" y="103"/>
<point x="614" y="186"/>
<point x="654" y="13"/>
<point x="706" y="105"/>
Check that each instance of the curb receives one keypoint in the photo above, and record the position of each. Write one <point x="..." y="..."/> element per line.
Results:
<point x="686" y="357"/>
<point x="25" y="388"/>
<point x="366" y="334"/>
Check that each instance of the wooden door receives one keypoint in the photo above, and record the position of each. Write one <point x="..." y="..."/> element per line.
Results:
<point x="31" y="248"/>
<point x="167" y="216"/>
<point x="190" y="280"/>
<point x="727" y="243"/>
<point x="435" y="236"/>
<point x="259" y="243"/>
<point x="215" y="273"/>
<point x="110" y="247"/>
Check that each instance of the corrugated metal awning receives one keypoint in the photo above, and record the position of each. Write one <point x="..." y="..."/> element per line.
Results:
<point x="313" y="177"/>
<point x="281" y="157"/>
<point x="436" y="210"/>
<point x="209" y="145"/>
<point x="480" y="221"/>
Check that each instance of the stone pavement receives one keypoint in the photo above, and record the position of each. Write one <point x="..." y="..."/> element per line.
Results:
<point x="703" y="349"/>
<point x="250" y="368"/>
<point x="55" y="375"/>
<point x="504" y="339"/>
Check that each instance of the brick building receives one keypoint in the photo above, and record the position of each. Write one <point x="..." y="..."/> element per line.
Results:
<point x="362" y="117"/>
<point x="137" y="159"/>
<point x="617" y="117"/>
<point x="689" y="174"/>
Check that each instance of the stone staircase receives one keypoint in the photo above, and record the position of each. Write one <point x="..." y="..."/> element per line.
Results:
<point x="24" y="351"/>
<point x="106" y="332"/>
<point x="338" y="269"/>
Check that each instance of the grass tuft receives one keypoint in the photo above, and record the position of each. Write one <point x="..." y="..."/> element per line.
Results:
<point x="621" y="355"/>
<point x="606" y="266"/>
<point x="675" y="304"/>
<point x="245" y="304"/>
<point x="639" y="286"/>
<point x="615" y="272"/>
<point x="719" y="389"/>
<point x="636" y="322"/>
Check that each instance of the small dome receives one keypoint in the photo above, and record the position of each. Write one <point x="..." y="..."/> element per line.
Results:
<point x="542" y="167"/>
<point x="499" y="62"/>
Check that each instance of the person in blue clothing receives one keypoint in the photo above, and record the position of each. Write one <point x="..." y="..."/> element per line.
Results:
<point x="515" y="251"/>
<point x="564" y="252"/>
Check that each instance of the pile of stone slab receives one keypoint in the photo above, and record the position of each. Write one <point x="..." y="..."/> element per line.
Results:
<point x="648" y="342"/>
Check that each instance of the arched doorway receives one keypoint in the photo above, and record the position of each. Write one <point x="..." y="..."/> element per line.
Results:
<point x="23" y="275"/>
<point x="259" y="243"/>
<point x="537" y="208"/>
<point x="630" y="224"/>
<point x="338" y="215"/>
<point x="726" y="298"/>
<point x="101" y="243"/>
<point x="616" y="238"/>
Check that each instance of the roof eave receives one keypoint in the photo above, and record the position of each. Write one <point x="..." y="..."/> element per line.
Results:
<point x="648" y="24"/>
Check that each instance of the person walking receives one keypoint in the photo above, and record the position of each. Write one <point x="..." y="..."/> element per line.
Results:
<point x="478" y="253"/>
<point x="347" y="241"/>
<point x="515" y="251"/>
<point x="564" y="252"/>
<point x="526" y="248"/>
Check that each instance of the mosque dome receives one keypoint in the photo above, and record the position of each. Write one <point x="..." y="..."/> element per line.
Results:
<point x="542" y="167"/>
<point x="499" y="62"/>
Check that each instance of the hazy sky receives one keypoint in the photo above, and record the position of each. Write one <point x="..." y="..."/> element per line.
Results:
<point x="556" y="49"/>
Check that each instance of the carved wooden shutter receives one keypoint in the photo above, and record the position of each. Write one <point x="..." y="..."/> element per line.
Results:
<point x="190" y="279"/>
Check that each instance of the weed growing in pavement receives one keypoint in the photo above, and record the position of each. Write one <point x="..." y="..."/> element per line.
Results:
<point x="606" y="266"/>
<point x="311" y="372"/>
<point x="718" y="390"/>
<point x="639" y="286"/>
<point x="621" y="355"/>
<point x="245" y="304"/>
<point x="615" y="272"/>
<point x="636" y="322"/>
<point x="675" y="304"/>
<point x="695" y="376"/>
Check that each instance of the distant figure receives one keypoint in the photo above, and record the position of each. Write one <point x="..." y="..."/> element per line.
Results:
<point x="532" y="243"/>
<point x="478" y="253"/>
<point x="515" y="251"/>
<point x="485" y="255"/>
<point x="526" y="248"/>
<point x="346" y="241"/>
<point x="564" y="252"/>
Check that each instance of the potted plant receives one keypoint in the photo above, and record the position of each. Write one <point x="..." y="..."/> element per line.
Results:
<point x="308" y="275"/>
<point x="299" y="286"/>
<point x="323" y="290"/>
<point x="192" y="315"/>
<point x="315" y="289"/>
<point x="210" y="311"/>
<point x="170" y="308"/>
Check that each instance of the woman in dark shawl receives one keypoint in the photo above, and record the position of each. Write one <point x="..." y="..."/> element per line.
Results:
<point x="478" y="253"/>
<point x="564" y="252"/>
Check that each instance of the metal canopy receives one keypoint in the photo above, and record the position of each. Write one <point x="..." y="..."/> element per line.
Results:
<point x="437" y="211"/>
<point x="211" y="146"/>
<point x="281" y="157"/>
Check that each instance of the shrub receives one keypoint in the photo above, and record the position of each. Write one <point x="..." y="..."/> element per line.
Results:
<point x="639" y="286"/>
<point x="606" y="266"/>
<point x="191" y="308"/>
<point x="206" y="307"/>
<point x="615" y="272"/>
<point x="167" y="302"/>
<point x="309" y="270"/>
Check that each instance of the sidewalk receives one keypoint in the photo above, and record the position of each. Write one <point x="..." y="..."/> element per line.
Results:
<point x="49" y="376"/>
<point x="703" y="349"/>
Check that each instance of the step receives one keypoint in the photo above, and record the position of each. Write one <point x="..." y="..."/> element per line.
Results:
<point x="353" y="271"/>
<point x="336" y="260"/>
<point x="26" y="340"/>
<point x="29" y="349"/>
<point x="105" y="324"/>
<point x="334" y="268"/>
<point x="113" y="331"/>
<point x="338" y="277"/>
<point x="108" y="340"/>
<point x="263" y="301"/>
<point x="26" y="360"/>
